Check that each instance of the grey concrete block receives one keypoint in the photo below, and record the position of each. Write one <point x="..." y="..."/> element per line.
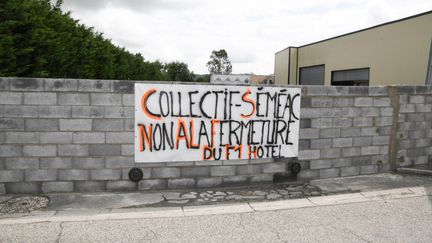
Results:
<point x="88" y="137"/>
<point x="378" y="91"/>
<point x="128" y="100"/>
<point x="350" y="171"/>
<point x="127" y="150"/>
<point x="329" y="173"/>
<point x="94" y="85"/>
<point x="236" y="162"/>
<point x="121" y="186"/>
<point x="415" y="117"/>
<point x="2" y="187"/>
<point x="320" y="164"/>
<point x="10" y="98"/>
<point x="322" y="102"/>
<point x="41" y="124"/>
<point x="105" y="99"/>
<point x="351" y="152"/>
<point x="57" y="186"/>
<point x="424" y="142"/>
<point x="20" y="111"/>
<point x="21" y="163"/>
<point x="73" y="150"/>
<point x="343" y="102"/>
<point x="44" y="98"/>
<point x="309" y="133"/>
<point x="105" y="149"/>
<point x="10" y="150"/>
<point x="209" y="182"/>
<point x="370" y="112"/>
<point x="252" y="169"/>
<point x="369" y="131"/>
<point x="123" y="86"/>
<point x="120" y="112"/>
<point x="88" y="163"/>
<point x="4" y="83"/>
<point x="342" y="122"/>
<point x="88" y="111"/>
<point x="423" y="108"/>
<point x="322" y="123"/>
<point x="165" y="172"/>
<point x="181" y="183"/>
<point x="195" y="171"/>
<point x="387" y="111"/>
<point x="208" y="163"/>
<point x="363" y="102"/>
<point x="304" y="144"/>
<point x="73" y="175"/>
<point x="305" y="123"/>
<point x="341" y="162"/>
<point x="55" y="111"/>
<point x="105" y="174"/>
<point x="55" y="163"/>
<point x="61" y="85"/>
<point x="119" y="162"/>
<point x="342" y="142"/>
<point x="330" y="153"/>
<point x="73" y="99"/>
<point x="362" y="141"/>
<point x="310" y="113"/>
<point x="12" y="124"/>
<point x="75" y="124"/>
<point x="180" y="163"/>
<point x="262" y="178"/>
<point x="23" y="187"/>
<point x="362" y="121"/>
<point x="22" y="137"/>
<point x="320" y="143"/>
<point x="11" y="175"/>
<point x="129" y="124"/>
<point x="350" y="112"/>
<point x="350" y="132"/>
<point x="222" y="170"/>
<point x="120" y="137"/>
<point x="416" y="99"/>
<point x="407" y="108"/>
<point x="26" y="84"/>
<point x="275" y="167"/>
<point x="56" y="137"/>
<point x="41" y="175"/>
<point x="382" y="101"/>
<point x="308" y="155"/>
<point x="108" y="125"/>
<point x="330" y="133"/>
<point x="152" y="184"/>
<point x="384" y="121"/>
<point x="235" y="180"/>
<point x="308" y="174"/>
<point x="380" y="140"/>
<point x="370" y="150"/>
<point x="368" y="169"/>
<point x="39" y="150"/>
<point x="90" y="186"/>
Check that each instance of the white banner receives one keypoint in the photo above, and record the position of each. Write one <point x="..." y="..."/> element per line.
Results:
<point x="175" y="122"/>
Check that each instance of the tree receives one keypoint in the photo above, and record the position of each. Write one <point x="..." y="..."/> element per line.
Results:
<point x="178" y="71"/>
<point x="219" y="63"/>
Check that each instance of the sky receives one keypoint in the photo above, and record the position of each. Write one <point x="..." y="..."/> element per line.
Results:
<point x="251" y="31"/>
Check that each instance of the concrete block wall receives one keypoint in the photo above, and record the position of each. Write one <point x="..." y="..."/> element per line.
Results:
<point x="65" y="135"/>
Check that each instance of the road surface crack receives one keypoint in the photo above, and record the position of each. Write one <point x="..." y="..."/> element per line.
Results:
<point x="60" y="232"/>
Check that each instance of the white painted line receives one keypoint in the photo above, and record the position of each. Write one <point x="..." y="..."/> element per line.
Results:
<point x="282" y="204"/>
<point x="217" y="209"/>
<point x="142" y="213"/>
<point x="338" y="199"/>
<point x="390" y="194"/>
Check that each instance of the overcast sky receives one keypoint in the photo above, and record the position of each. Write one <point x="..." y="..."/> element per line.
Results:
<point x="251" y="31"/>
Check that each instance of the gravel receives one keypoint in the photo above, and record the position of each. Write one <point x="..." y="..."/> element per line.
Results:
<point x="23" y="204"/>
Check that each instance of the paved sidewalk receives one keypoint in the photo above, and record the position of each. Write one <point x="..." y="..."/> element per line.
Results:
<point x="108" y="206"/>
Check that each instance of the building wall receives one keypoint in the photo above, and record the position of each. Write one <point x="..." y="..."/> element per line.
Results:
<point x="396" y="53"/>
<point x="65" y="135"/>
<point x="281" y="67"/>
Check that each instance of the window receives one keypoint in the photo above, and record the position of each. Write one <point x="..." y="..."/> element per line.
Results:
<point x="313" y="75"/>
<point x="352" y="77"/>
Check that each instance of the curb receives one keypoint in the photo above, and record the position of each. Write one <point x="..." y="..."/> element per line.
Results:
<point x="186" y="211"/>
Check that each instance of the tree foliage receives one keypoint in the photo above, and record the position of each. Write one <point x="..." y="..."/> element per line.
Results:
<point x="37" y="39"/>
<point x="219" y="63"/>
<point x="178" y="71"/>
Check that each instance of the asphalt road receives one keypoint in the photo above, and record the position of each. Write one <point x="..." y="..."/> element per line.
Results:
<point x="396" y="220"/>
